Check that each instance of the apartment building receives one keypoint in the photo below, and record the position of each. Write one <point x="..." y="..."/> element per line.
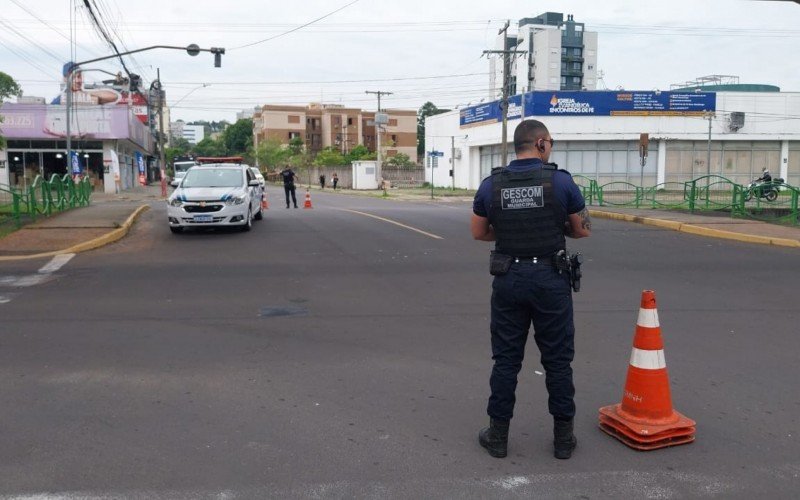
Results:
<point x="330" y="125"/>
<point x="558" y="55"/>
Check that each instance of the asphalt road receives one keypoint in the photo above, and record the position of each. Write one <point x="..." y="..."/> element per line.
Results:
<point x="332" y="354"/>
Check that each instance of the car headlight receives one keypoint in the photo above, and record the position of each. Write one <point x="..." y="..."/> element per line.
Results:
<point x="236" y="200"/>
<point x="175" y="202"/>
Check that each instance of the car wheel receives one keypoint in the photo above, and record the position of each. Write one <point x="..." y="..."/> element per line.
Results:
<point x="259" y="214"/>
<point x="176" y="229"/>
<point x="248" y="225"/>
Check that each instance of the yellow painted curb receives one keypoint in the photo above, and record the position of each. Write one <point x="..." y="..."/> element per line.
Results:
<point x="697" y="230"/>
<point x="110" y="237"/>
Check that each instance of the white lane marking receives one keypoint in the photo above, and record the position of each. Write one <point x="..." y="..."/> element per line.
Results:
<point x="56" y="263"/>
<point x="44" y="274"/>
<point x="390" y="221"/>
<point x="648" y="318"/>
<point x="31" y="280"/>
<point x="648" y="360"/>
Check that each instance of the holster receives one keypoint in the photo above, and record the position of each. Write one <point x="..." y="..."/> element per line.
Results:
<point x="499" y="263"/>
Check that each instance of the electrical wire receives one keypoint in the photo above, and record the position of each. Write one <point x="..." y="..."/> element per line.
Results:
<point x="297" y="28"/>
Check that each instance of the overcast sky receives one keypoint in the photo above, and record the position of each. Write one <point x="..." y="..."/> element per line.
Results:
<point x="421" y="50"/>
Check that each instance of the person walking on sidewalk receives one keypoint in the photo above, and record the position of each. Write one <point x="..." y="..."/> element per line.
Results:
<point x="322" y="181"/>
<point x="289" y="177"/>
<point x="335" y="179"/>
<point x="527" y="208"/>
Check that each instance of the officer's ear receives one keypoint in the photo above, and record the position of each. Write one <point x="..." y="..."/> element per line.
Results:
<point x="540" y="145"/>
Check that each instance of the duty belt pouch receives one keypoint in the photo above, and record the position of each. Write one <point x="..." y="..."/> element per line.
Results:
<point x="499" y="263"/>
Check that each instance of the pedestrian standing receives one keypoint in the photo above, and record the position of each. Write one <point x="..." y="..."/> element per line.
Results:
<point x="289" y="177"/>
<point x="527" y="208"/>
<point x="322" y="181"/>
<point x="335" y="179"/>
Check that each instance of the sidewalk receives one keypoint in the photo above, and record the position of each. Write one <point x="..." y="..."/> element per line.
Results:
<point x="109" y="218"/>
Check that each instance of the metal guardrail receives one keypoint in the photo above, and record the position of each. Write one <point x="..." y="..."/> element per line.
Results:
<point x="706" y="193"/>
<point x="42" y="198"/>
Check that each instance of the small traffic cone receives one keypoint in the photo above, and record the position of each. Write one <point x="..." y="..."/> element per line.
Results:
<point x="645" y="419"/>
<point x="307" y="204"/>
<point x="264" y="203"/>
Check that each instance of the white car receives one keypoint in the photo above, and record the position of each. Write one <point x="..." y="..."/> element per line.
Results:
<point x="258" y="175"/>
<point x="179" y="169"/>
<point x="215" y="195"/>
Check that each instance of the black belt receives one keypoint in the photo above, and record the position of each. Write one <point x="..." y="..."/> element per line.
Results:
<point x="548" y="259"/>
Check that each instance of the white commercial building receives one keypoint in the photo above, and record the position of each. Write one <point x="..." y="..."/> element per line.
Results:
<point x="193" y="133"/>
<point x="597" y="135"/>
<point x="554" y="55"/>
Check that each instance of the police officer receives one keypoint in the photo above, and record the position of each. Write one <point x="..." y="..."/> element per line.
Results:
<point x="527" y="208"/>
<point x="288" y="176"/>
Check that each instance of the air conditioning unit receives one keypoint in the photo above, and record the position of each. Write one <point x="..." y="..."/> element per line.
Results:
<point x="736" y="121"/>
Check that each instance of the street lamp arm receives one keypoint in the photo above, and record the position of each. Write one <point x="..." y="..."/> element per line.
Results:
<point x="191" y="49"/>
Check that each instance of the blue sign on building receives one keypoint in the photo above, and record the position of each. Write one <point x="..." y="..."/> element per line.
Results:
<point x="75" y="162"/>
<point x="593" y="103"/>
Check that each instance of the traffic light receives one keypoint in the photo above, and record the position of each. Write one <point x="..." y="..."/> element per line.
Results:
<point x="135" y="82"/>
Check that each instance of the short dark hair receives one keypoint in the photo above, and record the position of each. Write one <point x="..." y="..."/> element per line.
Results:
<point x="527" y="133"/>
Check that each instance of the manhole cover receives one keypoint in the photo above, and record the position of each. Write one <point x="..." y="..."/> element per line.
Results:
<point x="269" y="312"/>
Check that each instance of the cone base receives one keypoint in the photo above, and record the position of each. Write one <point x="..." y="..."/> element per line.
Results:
<point x="647" y="428"/>
<point x="642" y="446"/>
<point x="643" y="436"/>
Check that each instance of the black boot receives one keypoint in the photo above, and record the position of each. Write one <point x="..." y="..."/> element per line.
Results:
<point x="495" y="438"/>
<point x="565" y="441"/>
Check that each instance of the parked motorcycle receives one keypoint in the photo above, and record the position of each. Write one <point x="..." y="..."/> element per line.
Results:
<point x="760" y="188"/>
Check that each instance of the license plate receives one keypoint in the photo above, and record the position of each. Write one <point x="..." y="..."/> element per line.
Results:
<point x="203" y="218"/>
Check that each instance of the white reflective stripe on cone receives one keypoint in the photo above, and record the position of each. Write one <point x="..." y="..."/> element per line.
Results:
<point x="648" y="360"/>
<point x="648" y="318"/>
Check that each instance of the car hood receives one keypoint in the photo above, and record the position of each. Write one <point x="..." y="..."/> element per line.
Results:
<point x="207" y="193"/>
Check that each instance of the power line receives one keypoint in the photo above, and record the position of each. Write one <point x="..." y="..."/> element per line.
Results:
<point x="297" y="28"/>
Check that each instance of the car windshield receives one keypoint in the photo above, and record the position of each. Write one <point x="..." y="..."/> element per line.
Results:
<point x="213" y="177"/>
<point x="184" y="166"/>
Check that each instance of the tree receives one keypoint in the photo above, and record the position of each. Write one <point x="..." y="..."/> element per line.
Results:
<point x="400" y="160"/>
<point x="8" y="88"/>
<point x="427" y="109"/>
<point x="209" y="147"/>
<point x="271" y="153"/>
<point x="238" y="138"/>
<point x="181" y="143"/>
<point x="296" y="146"/>
<point x="359" y="153"/>
<point x="329" y="157"/>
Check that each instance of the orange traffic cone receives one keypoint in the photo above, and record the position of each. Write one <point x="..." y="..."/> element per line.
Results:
<point x="264" y="203"/>
<point x="645" y="420"/>
<point x="307" y="204"/>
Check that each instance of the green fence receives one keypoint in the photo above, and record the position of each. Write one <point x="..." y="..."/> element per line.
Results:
<point x="771" y="202"/>
<point x="42" y="198"/>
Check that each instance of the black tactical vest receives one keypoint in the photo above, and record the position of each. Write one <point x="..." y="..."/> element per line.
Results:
<point x="527" y="219"/>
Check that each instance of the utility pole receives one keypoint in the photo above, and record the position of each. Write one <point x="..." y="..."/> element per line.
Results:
<point x="379" y="93"/>
<point x="452" y="161"/>
<point x="163" y="161"/>
<point x="709" y="115"/>
<point x="506" y="84"/>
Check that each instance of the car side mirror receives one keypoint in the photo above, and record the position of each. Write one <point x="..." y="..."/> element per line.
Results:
<point x="254" y="183"/>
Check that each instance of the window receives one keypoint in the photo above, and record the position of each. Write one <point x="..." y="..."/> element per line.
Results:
<point x="392" y="122"/>
<point x="349" y="121"/>
<point x="563" y="51"/>
<point x="294" y="135"/>
<point x="563" y="80"/>
<point x="576" y="79"/>
<point x="563" y="67"/>
<point x="294" y="119"/>
<point x="394" y="139"/>
<point x="577" y="52"/>
<point x="576" y="66"/>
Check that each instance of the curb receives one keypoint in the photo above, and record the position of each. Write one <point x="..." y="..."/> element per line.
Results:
<point x="697" y="230"/>
<point x="110" y="237"/>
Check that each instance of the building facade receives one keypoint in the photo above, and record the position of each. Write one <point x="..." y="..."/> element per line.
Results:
<point x="558" y="55"/>
<point x="325" y="125"/>
<point x="598" y="135"/>
<point x="110" y="143"/>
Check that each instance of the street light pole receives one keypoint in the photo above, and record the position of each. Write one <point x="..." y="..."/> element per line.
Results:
<point x="192" y="50"/>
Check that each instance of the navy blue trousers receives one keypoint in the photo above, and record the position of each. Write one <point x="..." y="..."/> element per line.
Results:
<point x="537" y="294"/>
